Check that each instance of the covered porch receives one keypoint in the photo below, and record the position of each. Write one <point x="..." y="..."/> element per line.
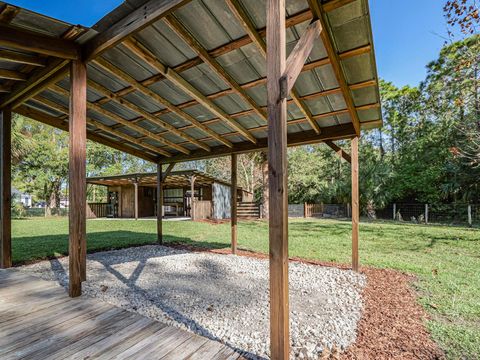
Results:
<point x="180" y="80"/>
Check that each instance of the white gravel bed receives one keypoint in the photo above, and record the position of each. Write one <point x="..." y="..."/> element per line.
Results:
<point x="223" y="297"/>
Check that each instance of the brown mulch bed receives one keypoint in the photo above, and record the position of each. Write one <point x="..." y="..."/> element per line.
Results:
<point x="392" y="323"/>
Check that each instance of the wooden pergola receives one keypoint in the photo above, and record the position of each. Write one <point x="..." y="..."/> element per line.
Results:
<point x="178" y="80"/>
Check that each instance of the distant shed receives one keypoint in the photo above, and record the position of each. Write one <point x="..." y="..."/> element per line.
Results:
<point x="134" y="196"/>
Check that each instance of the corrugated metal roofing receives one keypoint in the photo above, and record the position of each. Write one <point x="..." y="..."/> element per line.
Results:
<point x="216" y="28"/>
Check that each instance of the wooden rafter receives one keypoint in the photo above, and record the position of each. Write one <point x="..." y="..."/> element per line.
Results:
<point x="12" y="75"/>
<point x="318" y="12"/>
<point x="24" y="91"/>
<point x="252" y="32"/>
<point x="8" y="13"/>
<point x="138" y="19"/>
<point x="119" y="119"/>
<point x="62" y="109"/>
<point x="153" y="95"/>
<point x="61" y="124"/>
<point x="339" y="151"/>
<point x="19" y="58"/>
<point x="46" y="45"/>
<point x="184" y="34"/>
<point x="188" y="88"/>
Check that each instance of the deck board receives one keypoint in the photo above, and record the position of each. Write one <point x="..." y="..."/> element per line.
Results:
<point x="39" y="320"/>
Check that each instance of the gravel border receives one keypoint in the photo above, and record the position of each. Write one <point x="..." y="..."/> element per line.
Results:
<point x="223" y="297"/>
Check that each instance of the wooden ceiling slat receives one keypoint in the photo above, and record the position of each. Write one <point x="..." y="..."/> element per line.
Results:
<point x="12" y="75"/>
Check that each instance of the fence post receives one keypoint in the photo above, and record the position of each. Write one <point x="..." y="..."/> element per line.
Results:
<point x="304" y="209"/>
<point x="469" y="212"/>
<point x="394" y="211"/>
<point x="426" y="213"/>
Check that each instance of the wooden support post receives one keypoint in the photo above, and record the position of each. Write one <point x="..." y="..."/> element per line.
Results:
<point x="135" y="185"/>
<point x="159" y="204"/>
<point x="233" y="215"/>
<point x="469" y="215"/>
<point x="77" y="177"/>
<point x="6" y="188"/>
<point x="192" y="197"/>
<point x="394" y="211"/>
<point x="426" y="213"/>
<point x="355" y="204"/>
<point x="277" y="178"/>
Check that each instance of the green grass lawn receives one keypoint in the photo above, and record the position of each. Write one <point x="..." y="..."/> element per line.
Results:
<point x="445" y="259"/>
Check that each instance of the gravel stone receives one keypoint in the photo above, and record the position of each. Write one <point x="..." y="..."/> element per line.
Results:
<point x="222" y="297"/>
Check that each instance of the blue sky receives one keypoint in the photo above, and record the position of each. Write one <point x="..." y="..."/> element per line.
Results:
<point x="408" y="34"/>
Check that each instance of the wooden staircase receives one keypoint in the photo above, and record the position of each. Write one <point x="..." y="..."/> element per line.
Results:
<point x="248" y="210"/>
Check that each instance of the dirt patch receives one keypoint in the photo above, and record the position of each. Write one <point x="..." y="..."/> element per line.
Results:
<point x="392" y="323"/>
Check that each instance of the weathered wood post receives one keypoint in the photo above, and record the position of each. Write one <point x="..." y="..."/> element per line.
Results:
<point x="192" y="198"/>
<point x="159" y="204"/>
<point x="233" y="215"/>
<point x="355" y="204"/>
<point x="394" y="211"/>
<point x="426" y="213"/>
<point x="469" y="214"/>
<point x="6" y="188"/>
<point x="77" y="177"/>
<point x="277" y="178"/>
<point x="135" y="187"/>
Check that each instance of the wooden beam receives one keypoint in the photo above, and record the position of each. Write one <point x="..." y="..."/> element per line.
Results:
<point x="20" y="39"/>
<point x="138" y="19"/>
<point x="233" y="200"/>
<point x="153" y="95"/>
<point x="355" y="205"/>
<point x="62" y="125"/>
<point x="335" y="4"/>
<point x="19" y="58"/>
<point x="77" y="177"/>
<point x="5" y="188"/>
<point x="184" y="34"/>
<point x="277" y="177"/>
<point x="55" y="70"/>
<point x="298" y="56"/>
<point x="249" y="27"/>
<point x="339" y="151"/>
<point x="168" y="171"/>
<point x="4" y="89"/>
<point x="336" y="132"/>
<point x="142" y="52"/>
<point x="104" y="128"/>
<point x="160" y="179"/>
<point x="12" y="75"/>
<point x="127" y="123"/>
<point x="8" y="13"/>
<point x="332" y="53"/>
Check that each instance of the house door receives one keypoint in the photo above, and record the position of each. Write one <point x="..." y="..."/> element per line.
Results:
<point x="112" y="208"/>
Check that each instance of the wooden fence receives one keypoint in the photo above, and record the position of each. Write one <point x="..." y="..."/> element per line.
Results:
<point x="312" y="210"/>
<point x="97" y="210"/>
<point x="203" y="209"/>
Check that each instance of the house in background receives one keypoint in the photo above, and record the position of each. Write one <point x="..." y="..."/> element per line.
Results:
<point x="135" y="195"/>
<point x="25" y="199"/>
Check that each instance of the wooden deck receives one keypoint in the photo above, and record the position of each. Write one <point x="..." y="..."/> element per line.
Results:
<point x="39" y="321"/>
